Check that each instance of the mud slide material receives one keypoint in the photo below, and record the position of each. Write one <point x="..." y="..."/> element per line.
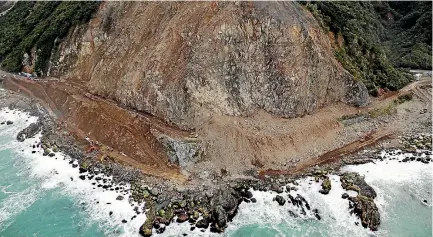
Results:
<point x="123" y="136"/>
<point x="334" y="155"/>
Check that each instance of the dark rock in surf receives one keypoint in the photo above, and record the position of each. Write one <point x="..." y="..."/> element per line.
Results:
<point x="29" y="131"/>
<point x="281" y="201"/>
<point x="203" y="223"/>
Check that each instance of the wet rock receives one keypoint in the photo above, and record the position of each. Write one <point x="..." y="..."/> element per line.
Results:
<point x="326" y="186"/>
<point x="219" y="216"/>
<point x="160" y="230"/>
<point x="253" y="200"/>
<point x="82" y="177"/>
<point x="182" y="218"/>
<point x="146" y="229"/>
<point x="229" y="200"/>
<point x="277" y="189"/>
<point x="316" y="214"/>
<point x="203" y="223"/>
<point x="9" y="122"/>
<point x="51" y="155"/>
<point x="301" y="200"/>
<point x="280" y="200"/>
<point x="344" y="195"/>
<point x="367" y="211"/>
<point x="247" y="194"/>
<point x="110" y="213"/>
<point x="120" y="198"/>
<point x="354" y="181"/>
<point x="124" y="221"/>
<point x="74" y="165"/>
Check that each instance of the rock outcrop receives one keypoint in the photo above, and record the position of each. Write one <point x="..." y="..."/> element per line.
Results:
<point x="363" y="204"/>
<point x="30" y="131"/>
<point x="179" y="61"/>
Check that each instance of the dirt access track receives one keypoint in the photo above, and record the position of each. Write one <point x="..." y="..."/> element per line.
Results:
<point x="263" y="141"/>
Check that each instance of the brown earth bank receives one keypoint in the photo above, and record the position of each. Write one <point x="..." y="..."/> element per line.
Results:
<point x="232" y="145"/>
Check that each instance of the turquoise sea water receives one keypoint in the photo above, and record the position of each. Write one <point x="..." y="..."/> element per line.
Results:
<point x="38" y="198"/>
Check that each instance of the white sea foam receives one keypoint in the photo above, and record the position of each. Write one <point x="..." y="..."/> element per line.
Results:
<point x="56" y="172"/>
<point x="335" y="217"/>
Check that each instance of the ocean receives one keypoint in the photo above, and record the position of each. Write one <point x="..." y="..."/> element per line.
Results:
<point x="44" y="196"/>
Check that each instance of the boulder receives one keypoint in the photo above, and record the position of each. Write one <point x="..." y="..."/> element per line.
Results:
<point x="326" y="186"/>
<point x="367" y="211"/>
<point x="219" y="216"/>
<point x="29" y="131"/>
<point x="247" y="194"/>
<point x="280" y="200"/>
<point x="203" y="223"/>
<point x="277" y="188"/>
<point x="182" y="218"/>
<point x="356" y="182"/>
<point x="344" y="195"/>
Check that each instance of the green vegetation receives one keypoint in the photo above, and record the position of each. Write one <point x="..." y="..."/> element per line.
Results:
<point x="403" y="98"/>
<point x="408" y="38"/>
<point x="41" y="25"/>
<point x="376" y="40"/>
<point x="389" y="109"/>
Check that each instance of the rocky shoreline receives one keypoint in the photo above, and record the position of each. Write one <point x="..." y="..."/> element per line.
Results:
<point x="214" y="206"/>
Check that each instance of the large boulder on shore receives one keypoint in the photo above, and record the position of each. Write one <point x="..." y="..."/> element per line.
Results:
<point x="280" y="200"/>
<point x="367" y="211"/>
<point x="219" y="216"/>
<point x="29" y="131"/>
<point x="363" y="204"/>
<point x="224" y="206"/>
<point x="326" y="186"/>
<point x="354" y="181"/>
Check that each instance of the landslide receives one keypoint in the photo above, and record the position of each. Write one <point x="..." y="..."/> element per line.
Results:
<point x="118" y="134"/>
<point x="186" y="61"/>
<point x="230" y="72"/>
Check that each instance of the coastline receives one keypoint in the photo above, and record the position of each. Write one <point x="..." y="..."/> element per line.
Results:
<point x="193" y="204"/>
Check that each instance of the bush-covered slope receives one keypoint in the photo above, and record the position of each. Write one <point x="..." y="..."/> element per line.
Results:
<point x="40" y="25"/>
<point x="408" y="36"/>
<point x="373" y="40"/>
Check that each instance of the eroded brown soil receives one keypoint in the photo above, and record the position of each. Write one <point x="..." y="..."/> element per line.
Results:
<point x="271" y="144"/>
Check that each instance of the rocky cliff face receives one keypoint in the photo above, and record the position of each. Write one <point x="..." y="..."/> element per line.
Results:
<point x="179" y="61"/>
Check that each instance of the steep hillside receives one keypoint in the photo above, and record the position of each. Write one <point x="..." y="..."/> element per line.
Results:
<point x="175" y="60"/>
<point x="408" y="35"/>
<point x="31" y="30"/>
<point x="374" y="40"/>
